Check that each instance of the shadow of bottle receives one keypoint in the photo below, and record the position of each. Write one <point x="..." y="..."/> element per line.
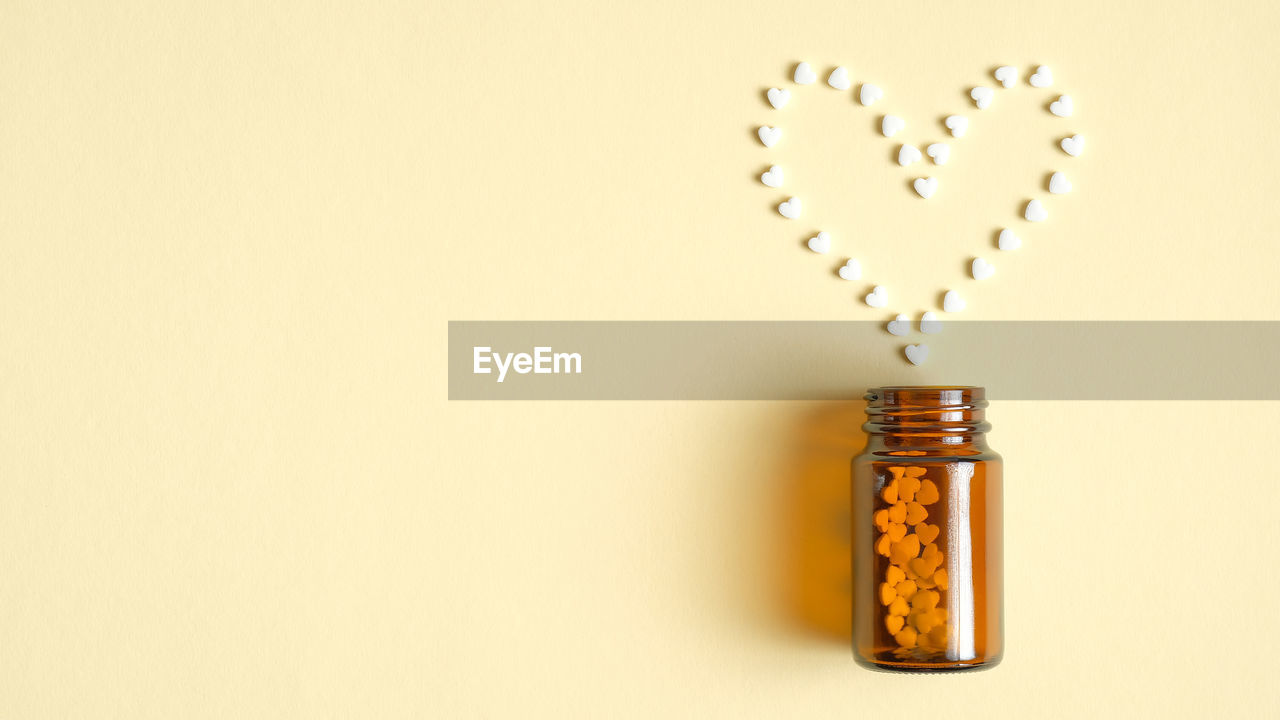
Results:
<point x="814" y="511"/>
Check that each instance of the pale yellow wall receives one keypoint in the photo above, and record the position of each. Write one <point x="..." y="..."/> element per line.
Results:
<point x="231" y="236"/>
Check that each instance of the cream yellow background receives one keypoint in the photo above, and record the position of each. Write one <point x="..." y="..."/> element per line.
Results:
<point x="231" y="236"/>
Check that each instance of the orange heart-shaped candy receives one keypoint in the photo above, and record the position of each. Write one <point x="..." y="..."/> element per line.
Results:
<point x="904" y="550"/>
<point x="906" y="638"/>
<point x="927" y="533"/>
<point x="898" y="607"/>
<point x="922" y="567"/>
<point x="883" y="545"/>
<point x="887" y="593"/>
<point x="906" y="589"/>
<point x="881" y="519"/>
<point x="894" y="575"/>
<point x="923" y="620"/>
<point x="925" y="600"/>
<point x="894" y="623"/>
<point x="890" y="492"/>
<point x="928" y="493"/>
<point x="907" y="488"/>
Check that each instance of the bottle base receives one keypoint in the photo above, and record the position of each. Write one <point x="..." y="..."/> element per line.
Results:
<point x="908" y="666"/>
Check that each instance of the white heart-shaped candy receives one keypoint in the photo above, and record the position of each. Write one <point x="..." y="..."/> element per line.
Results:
<point x="1073" y="145"/>
<point x="790" y="209"/>
<point x="1008" y="241"/>
<point x="982" y="96"/>
<point x="804" y="74"/>
<point x="891" y="124"/>
<point x="930" y="324"/>
<point x="869" y="93"/>
<point x="1007" y="75"/>
<point x="772" y="177"/>
<point x="851" y="270"/>
<point x="981" y="269"/>
<point x="769" y="135"/>
<point x="899" y="326"/>
<point x="820" y="243"/>
<point x="1062" y="107"/>
<point x="908" y="154"/>
<point x="1059" y="184"/>
<point x="877" y="298"/>
<point x="917" y="353"/>
<point x="778" y="98"/>
<point x="957" y="124"/>
<point x="925" y="186"/>
<point x="839" y="78"/>
<point x="1042" y="78"/>
<point x="1035" y="211"/>
<point x="952" y="302"/>
<point x="940" y="152"/>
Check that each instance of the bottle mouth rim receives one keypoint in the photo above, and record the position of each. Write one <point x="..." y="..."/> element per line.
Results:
<point x="932" y="409"/>
<point x="926" y="397"/>
<point x="928" y="387"/>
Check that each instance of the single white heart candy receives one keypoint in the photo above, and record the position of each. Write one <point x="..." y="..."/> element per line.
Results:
<point x="940" y="152"/>
<point x="952" y="302"/>
<point x="877" y="298"/>
<point x="839" y="78"/>
<point x="1042" y="78"/>
<point x="851" y="270"/>
<point x="1035" y="211"/>
<point x="957" y="124"/>
<point x="899" y="326"/>
<point x="1008" y="241"/>
<point x="917" y="353"/>
<point x="982" y="269"/>
<point x="769" y="135"/>
<point x="925" y="186"/>
<point x="1007" y="75"/>
<point x="891" y="124"/>
<point x="804" y="74"/>
<point x="1059" y="184"/>
<point x="772" y="177"/>
<point x="820" y="243"/>
<point x="982" y="96"/>
<point x="930" y="324"/>
<point x="1062" y="107"/>
<point x="1072" y="145"/>
<point x="908" y="154"/>
<point x="790" y="209"/>
<point x="869" y="93"/>
<point x="778" y="98"/>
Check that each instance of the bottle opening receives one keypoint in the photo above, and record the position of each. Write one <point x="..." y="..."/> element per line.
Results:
<point x="944" y="413"/>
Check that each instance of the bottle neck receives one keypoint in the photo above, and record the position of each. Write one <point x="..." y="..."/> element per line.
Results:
<point x="926" y="420"/>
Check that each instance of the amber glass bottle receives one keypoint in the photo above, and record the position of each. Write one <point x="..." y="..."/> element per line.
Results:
<point x="927" y="556"/>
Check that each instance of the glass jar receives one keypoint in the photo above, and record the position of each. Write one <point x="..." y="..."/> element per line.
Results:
<point x="927" y="556"/>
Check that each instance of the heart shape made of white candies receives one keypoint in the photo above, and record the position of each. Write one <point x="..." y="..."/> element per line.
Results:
<point x="840" y="78"/>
